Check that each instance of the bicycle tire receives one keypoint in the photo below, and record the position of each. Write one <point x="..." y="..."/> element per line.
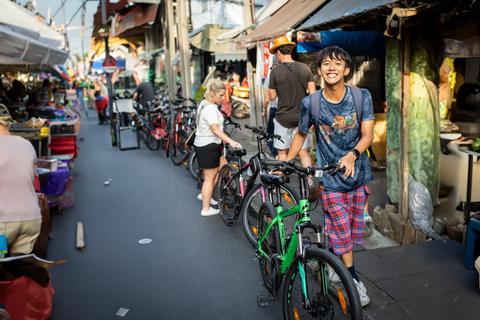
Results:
<point x="251" y="203"/>
<point x="151" y="142"/>
<point x="270" y="270"/>
<point x="177" y="151"/>
<point x="193" y="166"/>
<point x="228" y="200"/>
<point x="325" y="302"/>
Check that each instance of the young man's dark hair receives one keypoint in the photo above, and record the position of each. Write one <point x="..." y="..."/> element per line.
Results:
<point x="286" y="49"/>
<point x="334" y="53"/>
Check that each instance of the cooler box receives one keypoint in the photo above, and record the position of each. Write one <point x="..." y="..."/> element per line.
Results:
<point x="240" y="92"/>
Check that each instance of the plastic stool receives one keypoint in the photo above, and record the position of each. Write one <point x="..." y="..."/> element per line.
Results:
<point x="472" y="249"/>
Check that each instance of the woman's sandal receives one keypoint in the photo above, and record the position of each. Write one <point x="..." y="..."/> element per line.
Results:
<point x="312" y="191"/>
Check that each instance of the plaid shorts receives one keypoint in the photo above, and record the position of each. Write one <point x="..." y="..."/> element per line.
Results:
<point x="343" y="213"/>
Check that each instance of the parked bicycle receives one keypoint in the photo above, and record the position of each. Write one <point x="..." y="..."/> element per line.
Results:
<point x="308" y="292"/>
<point x="239" y="196"/>
<point x="153" y="124"/>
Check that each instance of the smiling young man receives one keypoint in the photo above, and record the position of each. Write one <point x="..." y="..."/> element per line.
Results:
<point x="341" y="138"/>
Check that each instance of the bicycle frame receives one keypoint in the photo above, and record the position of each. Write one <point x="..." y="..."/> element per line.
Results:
<point x="296" y="246"/>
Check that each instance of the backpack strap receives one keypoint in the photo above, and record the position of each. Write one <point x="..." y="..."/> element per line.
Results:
<point x="358" y="98"/>
<point x="315" y="104"/>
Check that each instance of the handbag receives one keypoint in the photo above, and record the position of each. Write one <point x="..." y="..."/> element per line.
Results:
<point x="191" y="139"/>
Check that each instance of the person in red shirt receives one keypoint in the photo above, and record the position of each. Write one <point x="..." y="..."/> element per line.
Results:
<point x="101" y="104"/>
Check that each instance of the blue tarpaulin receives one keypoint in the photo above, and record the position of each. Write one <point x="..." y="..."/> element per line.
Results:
<point x="337" y="10"/>
<point x="354" y="42"/>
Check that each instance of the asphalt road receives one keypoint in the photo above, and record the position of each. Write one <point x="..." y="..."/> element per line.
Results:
<point x="194" y="268"/>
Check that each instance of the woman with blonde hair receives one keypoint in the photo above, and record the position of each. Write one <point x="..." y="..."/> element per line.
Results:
<point x="208" y="139"/>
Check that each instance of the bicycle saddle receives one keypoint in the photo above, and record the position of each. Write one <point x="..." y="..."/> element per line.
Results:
<point x="271" y="179"/>
<point x="237" y="152"/>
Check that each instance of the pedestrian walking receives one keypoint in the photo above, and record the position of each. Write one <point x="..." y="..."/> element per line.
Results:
<point x="291" y="81"/>
<point x="101" y="104"/>
<point x="208" y="138"/>
<point x="341" y="138"/>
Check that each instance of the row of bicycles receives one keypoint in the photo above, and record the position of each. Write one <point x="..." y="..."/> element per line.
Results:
<point x="290" y="249"/>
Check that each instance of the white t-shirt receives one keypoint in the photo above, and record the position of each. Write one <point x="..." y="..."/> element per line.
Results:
<point x="274" y="102"/>
<point x="209" y="114"/>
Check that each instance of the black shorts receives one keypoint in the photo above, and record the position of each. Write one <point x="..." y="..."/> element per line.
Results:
<point x="208" y="157"/>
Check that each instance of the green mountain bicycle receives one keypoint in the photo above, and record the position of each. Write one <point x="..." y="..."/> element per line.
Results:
<point x="301" y="256"/>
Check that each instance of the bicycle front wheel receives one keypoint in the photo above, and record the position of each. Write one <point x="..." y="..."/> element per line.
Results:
<point x="251" y="204"/>
<point x="270" y="269"/>
<point x="328" y="300"/>
<point x="177" y="149"/>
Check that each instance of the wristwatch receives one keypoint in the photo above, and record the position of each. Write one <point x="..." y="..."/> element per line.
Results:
<point x="356" y="153"/>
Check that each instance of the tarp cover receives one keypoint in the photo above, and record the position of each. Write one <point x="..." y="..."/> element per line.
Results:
<point x="354" y="42"/>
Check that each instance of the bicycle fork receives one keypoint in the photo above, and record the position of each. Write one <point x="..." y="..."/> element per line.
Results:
<point x="302" y="263"/>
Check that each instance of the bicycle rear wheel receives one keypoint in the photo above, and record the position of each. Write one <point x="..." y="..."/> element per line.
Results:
<point x="151" y="142"/>
<point x="251" y="204"/>
<point x="177" y="149"/>
<point x="328" y="300"/>
<point x="270" y="269"/>
<point x="228" y="190"/>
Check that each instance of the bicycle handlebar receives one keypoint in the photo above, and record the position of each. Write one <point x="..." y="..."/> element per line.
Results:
<point x="259" y="131"/>
<point x="290" y="167"/>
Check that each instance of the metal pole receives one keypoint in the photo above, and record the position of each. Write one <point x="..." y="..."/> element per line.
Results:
<point x="113" y="131"/>
<point x="184" y="48"/>
<point x="169" y="35"/>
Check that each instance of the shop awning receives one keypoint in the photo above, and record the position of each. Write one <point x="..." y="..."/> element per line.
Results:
<point x="17" y="47"/>
<point x="137" y="16"/>
<point x="344" y="10"/>
<point x="354" y="42"/>
<point x="14" y="14"/>
<point x="203" y="39"/>
<point x="282" y="21"/>
<point x="264" y="13"/>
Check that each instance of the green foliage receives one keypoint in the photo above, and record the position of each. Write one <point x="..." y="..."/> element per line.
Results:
<point x="476" y="145"/>
<point x="198" y="95"/>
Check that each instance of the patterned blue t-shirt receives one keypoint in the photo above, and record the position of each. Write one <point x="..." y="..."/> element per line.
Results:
<point x="338" y="132"/>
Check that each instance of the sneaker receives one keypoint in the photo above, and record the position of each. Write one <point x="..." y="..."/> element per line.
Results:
<point x="362" y="292"/>
<point x="332" y="275"/>
<point x="312" y="191"/>
<point x="210" y="212"/>
<point x="213" y="202"/>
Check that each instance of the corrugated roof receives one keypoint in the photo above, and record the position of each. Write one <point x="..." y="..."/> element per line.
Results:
<point x="282" y="21"/>
<point x="264" y="13"/>
<point x="342" y="9"/>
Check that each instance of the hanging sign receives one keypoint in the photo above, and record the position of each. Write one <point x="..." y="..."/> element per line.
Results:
<point x="109" y="64"/>
<point x="266" y="59"/>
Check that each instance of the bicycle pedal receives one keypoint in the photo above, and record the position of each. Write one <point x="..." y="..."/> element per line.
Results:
<point x="230" y="222"/>
<point x="264" y="299"/>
